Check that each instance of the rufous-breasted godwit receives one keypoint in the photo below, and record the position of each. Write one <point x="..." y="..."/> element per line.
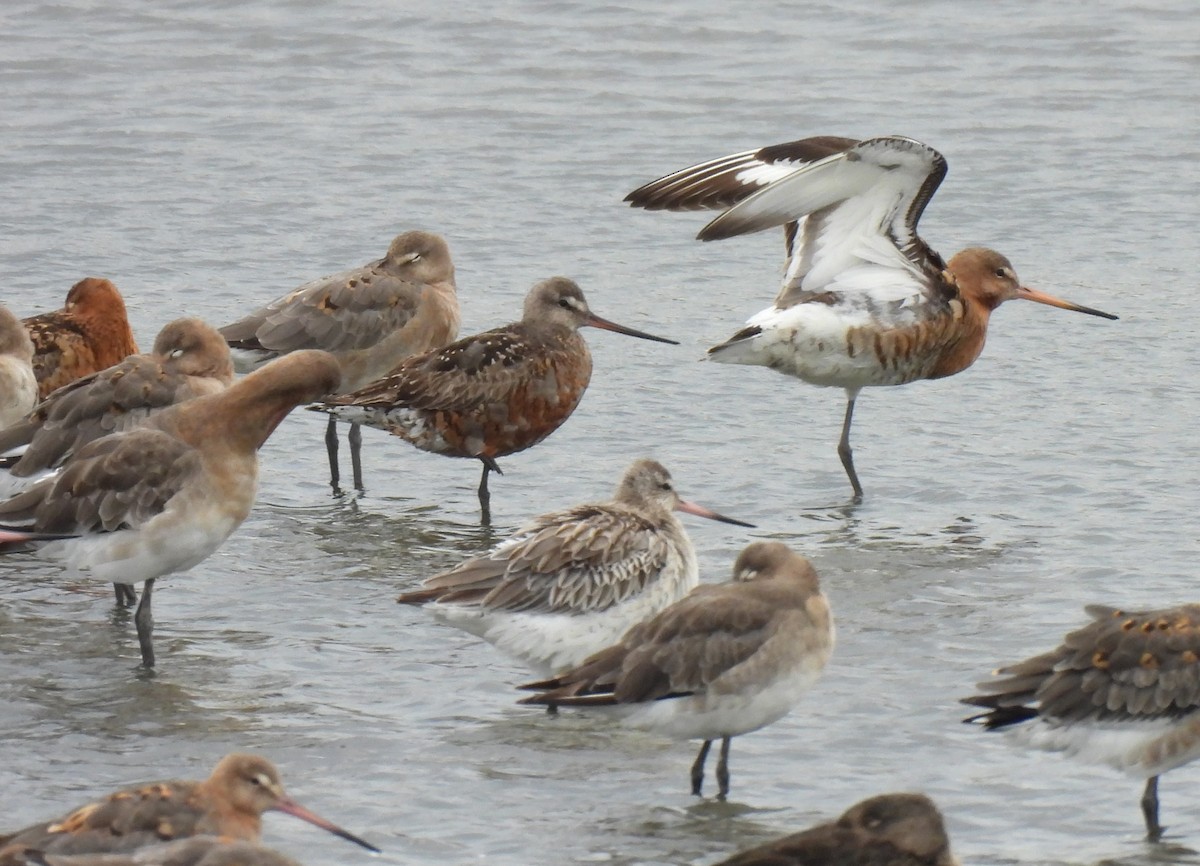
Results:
<point x="570" y="583"/>
<point x="89" y="333"/>
<point x="491" y="394"/>
<point x="369" y="318"/>
<point x="18" y="385"/>
<point x="162" y="497"/>
<point x="229" y="803"/>
<point x="865" y="301"/>
<point x="887" y="830"/>
<point x="1123" y="690"/>
<point x="724" y="660"/>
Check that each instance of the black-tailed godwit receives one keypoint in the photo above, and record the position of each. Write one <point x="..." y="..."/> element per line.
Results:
<point x="89" y="333"/>
<point x="865" y="301"/>
<point x="229" y="803"/>
<point x="724" y="660"/>
<point x="887" y="830"/>
<point x="162" y="497"/>
<point x="369" y="318"/>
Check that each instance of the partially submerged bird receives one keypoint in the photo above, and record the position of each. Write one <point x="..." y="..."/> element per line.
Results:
<point x="572" y="582"/>
<point x="865" y="301"/>
<point x="1124" y="690"/>
<point x="887" y="830"/>
<point x="491" y="394"/>
<point x="162" y="497"/>
<point x="369" y="318"/>
<point x="89" y="333"/>
<point x="724" y="660"/>
<point x="18" y="385"/>
<point x="229" y="803"/>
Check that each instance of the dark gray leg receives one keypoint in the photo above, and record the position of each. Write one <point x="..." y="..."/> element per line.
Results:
<point x="126" y="596"/>
<point x="355" y="440"/>
<point x="1154" y="830"/>
<point x="331" y="446"/>
<point x="144" y="620"/>
<point x="843" y="449"/>
<point x="723" y="770"/>
<point x="698" y="768"/>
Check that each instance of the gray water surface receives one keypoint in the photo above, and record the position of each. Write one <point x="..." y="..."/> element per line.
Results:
<point x="209" y="157"/>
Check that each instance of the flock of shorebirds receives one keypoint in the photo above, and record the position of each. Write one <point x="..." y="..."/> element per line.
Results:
<point x="131" y="466"/>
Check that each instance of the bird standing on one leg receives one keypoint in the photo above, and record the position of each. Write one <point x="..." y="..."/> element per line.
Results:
<point x="162" y="497"/>
<point x="491" y="394"/>
<point x="865" y="301"/>
<point x="1123" y="690"/>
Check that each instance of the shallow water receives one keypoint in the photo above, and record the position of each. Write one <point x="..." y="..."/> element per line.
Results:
<point x="210" y="158"/>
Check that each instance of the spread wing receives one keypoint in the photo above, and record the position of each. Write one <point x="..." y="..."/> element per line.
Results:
<point x="850" y="216"/>
<point x="1122" y="666"/>
<point x="344" y="312"/>
<point x="112" y="483"/>
<point x="587" y="558"/>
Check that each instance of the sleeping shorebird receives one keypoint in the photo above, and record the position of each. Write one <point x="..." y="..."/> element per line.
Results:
<point x="229" y="803"/>
<point x="369" y="318"/>
<point x="887" y="830"/>
<point x="196" y="851"/>
<point x="1123" y="690"/>
<point x="865" y="301"/>
<point x="89" y="333"/>
<point x="572" y="582"/>
<point x="491" y="394"/>
<point x="724" y="660"/>
<point x="18" y="385"/>
<point x="162" y="497"/>
<point x="189" y="359"/>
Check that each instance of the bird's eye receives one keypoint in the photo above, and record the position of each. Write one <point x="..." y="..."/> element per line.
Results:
<point x="258" y="780"/>
<point x="564" y="303"/>
<point x="666" y="485"/>
<point x="176" y="353"/>
<point x="1002" y="272"/>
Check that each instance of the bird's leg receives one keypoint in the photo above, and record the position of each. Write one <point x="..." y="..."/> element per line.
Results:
<point x="331" y="446"/>
<point x="843" y="449"/>
<point x="698" y="768"/>
<point x="126" y="596"/>
<point x="1154" y="830"/>
<point x="485" y="498"/>
<point x="723" y="770"/>
<point x="355" y="440"/>
<point x="144" y="620"/>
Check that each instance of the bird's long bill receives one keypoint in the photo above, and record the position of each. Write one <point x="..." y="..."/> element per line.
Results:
<point x="290" y="807"/>
<point x="597" y="322"/>
<point x="701" y="511"/>
<point x="1042" y="298"/>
